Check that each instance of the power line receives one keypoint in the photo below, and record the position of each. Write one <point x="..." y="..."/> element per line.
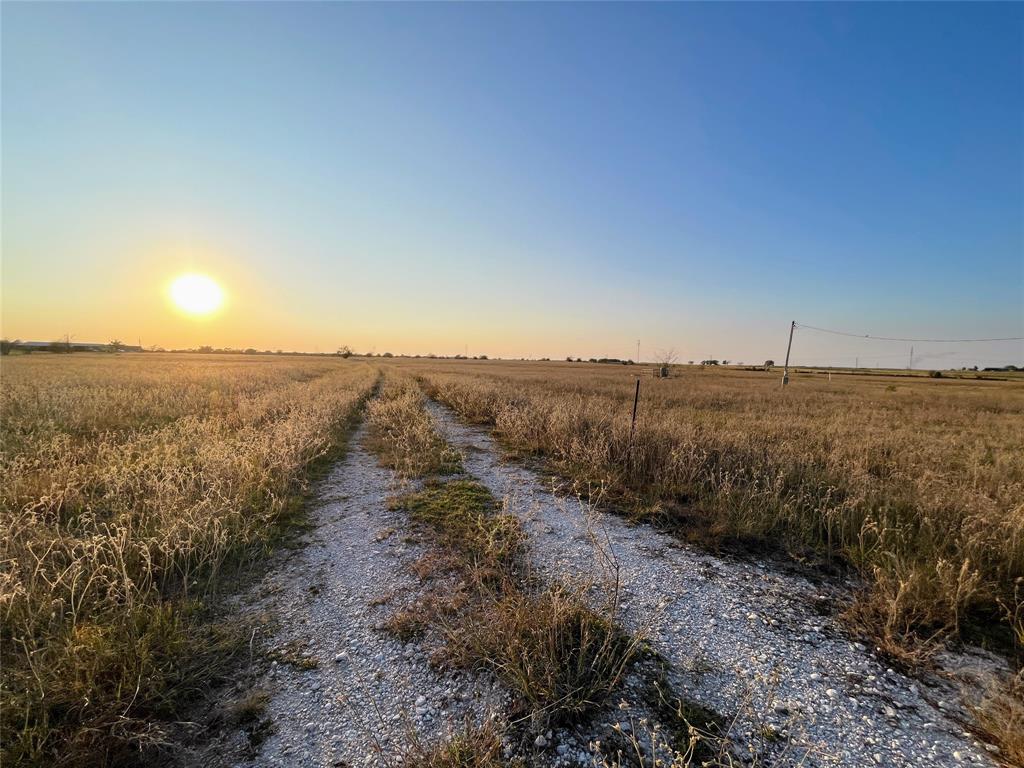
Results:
<point x="890" y="338"/>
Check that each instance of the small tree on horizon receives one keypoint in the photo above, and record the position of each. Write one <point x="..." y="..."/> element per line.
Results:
<point x="666" y="357"/>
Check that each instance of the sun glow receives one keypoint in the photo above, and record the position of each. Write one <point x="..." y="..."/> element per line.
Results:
<point x="196" y="294"/>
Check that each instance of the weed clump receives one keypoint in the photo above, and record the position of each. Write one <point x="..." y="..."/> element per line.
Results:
<point x="466" y="519"/>
<point x="477" y="746"/>
<point x="561" y="657"/>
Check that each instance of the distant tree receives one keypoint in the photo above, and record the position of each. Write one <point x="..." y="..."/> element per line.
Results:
<point x="666" y="357"/>
<point x="568" y="358"/>
<point x="6" y="346"/>
<point x="206" y="350"/>
<point x="689" y="362"/>
<point x="345" y="351"/>
<point x="769" y="364"/>
<point x="387" y="354"/>
<point x="116" y="345"/>
<point x="60" y="347"/>
<point x="725" y="362"/>
<point x="483" y="357"/>
<point x="709" y="362"/>
<point x="593" y="360"/>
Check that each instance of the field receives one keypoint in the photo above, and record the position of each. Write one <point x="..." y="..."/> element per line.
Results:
<point x="916" y="483"/>
<point x="136" y="486"/>
<point x="131" y="484"/>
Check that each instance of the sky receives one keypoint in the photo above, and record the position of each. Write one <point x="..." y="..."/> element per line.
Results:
<point x="531" y="180"/>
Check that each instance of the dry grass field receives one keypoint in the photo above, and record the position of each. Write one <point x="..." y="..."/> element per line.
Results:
<point x="134" y="484"/>
<point x="131" y="483"/>
<point x="917" y="483"/>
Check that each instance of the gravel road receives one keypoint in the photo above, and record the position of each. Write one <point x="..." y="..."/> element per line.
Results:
<point x="342" y="691"/>
<point x="740" y="637"/>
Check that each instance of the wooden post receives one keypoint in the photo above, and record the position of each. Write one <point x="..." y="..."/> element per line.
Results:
<point x="785" y="370"/>
<point x="632" y="425"/>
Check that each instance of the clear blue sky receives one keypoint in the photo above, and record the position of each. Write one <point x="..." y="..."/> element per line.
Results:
<point x="523" y="179"/>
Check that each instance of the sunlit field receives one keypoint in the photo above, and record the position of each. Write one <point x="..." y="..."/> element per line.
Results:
<point x="917" y="483"/>
<point x="135" y="486"/>
<point x="131" y="484"/>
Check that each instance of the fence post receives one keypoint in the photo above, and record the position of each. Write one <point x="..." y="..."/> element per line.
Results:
<point x="632" y="424"/>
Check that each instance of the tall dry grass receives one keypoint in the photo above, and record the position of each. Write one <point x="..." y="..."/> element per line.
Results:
<point x="919" y="484"/>
<point x="130" y="485"/>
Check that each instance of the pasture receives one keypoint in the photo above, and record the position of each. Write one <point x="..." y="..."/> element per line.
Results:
<point x="136" y="486"/>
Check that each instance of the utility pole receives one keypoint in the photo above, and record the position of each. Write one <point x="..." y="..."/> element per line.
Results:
<point x="856" y="362"/>
<point x="910" y="363"/>
<point x="785" y="369"/>
<point x="638" y="351"/>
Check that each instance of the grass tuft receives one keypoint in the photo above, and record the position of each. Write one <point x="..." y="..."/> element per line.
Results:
<point x="477" y="746"/>
<point x="465" y="517"/>
<point x="561" y="657"/>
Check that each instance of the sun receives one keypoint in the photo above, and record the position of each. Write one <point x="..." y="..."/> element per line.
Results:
<point x="196" y="294"/>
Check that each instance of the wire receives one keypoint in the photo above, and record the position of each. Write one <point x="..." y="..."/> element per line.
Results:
<point x="889" y="338"/>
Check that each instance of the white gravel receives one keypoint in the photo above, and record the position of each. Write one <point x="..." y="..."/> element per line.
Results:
<point x="370" y="695"/>
<point x="740" y="637"/>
